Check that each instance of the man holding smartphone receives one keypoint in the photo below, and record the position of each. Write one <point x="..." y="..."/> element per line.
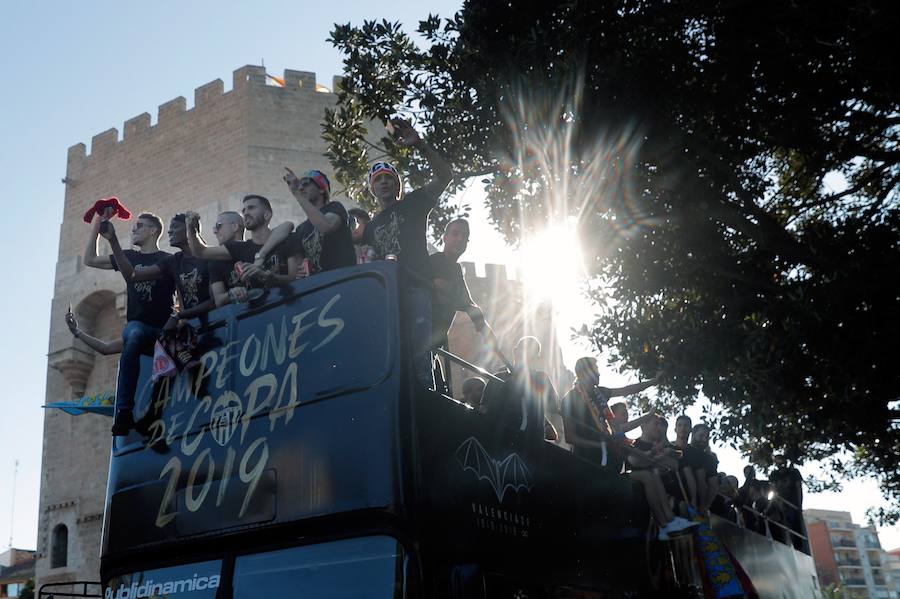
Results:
<point x="149" y="306"/>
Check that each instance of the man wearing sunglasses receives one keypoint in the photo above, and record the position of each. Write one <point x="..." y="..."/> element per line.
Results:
<point x="398" y="229"/>
<point x="188" y="273"/>
<point x="324" y="238"/>
<point x="149" y="306"/>
<point x="225" y="284"/>
<point x="277" y="269"/>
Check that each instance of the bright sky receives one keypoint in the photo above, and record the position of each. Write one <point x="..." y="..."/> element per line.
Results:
<point x="74" y="69"/>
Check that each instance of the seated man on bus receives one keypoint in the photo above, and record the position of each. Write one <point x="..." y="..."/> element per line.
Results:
<point x="589" y="424"/>
<point x="323" y="239"/>
<point x="704" y="465"/>
<point x="648" y="458"/>
<point x="149" y="307"/>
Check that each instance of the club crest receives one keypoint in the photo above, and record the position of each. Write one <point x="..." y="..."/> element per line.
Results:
<point x="508" y="474"/>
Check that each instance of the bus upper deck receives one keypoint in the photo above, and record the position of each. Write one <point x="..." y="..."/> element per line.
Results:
<point x="299" y="456"/>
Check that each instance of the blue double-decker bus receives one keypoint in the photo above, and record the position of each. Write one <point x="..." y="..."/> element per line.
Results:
<point x="300" y="458"/>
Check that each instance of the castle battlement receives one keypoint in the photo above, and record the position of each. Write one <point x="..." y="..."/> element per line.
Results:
<point x="247" y="80"/>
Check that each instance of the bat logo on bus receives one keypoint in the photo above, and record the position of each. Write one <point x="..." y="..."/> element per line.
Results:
<point x="510" y="473"/>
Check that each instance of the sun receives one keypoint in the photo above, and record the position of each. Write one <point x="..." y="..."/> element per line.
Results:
<point x="552" y="266"/>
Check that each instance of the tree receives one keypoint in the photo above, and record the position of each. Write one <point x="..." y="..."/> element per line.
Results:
<point x="734" y="171"/>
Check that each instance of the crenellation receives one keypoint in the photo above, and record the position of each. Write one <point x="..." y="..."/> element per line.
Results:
<point x="171" y="110"/>
<point x="206" y="94"/>
<point x="77" y="153"/>
<point x="468" y="269"/>
<point x="137" y="126"/>
<point x="302" y="79"/>
<point x="103" y="143"/>
<point x="495" y="272"/>
<point x="336" y="83"/>
<point x="247" y="75"/>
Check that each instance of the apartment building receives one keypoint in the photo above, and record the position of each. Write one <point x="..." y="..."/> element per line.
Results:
<point x="848" y="556"/>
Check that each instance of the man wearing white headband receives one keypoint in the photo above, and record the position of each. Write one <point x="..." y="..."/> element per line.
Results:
<point x="399" y="229"/>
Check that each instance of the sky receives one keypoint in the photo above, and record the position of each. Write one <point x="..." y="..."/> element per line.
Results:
<point x="74" y="69"/>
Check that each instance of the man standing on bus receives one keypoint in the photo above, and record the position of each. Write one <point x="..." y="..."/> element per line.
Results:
<point x="276" y="269"/>
<point x="324" y="238"/>
<point x="225" y="285"/>
<point x="187" y="273"/>
<point x="149" y="306"/>
<point x="398" y="230"/>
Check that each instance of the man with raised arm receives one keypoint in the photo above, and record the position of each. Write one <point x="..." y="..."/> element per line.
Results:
<point x="105" y="348"/>
<point x="276" y="269"/>
<point x="224" y="281"/>
<point x="398" y="229"/>
<point x="149" y="306"/>
<point x="324" y="238"/>
<point x="590" y="426"/>
<point x="187" y="273"/>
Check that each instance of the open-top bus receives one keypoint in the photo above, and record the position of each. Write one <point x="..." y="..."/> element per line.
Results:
<point x="300" y="458"/>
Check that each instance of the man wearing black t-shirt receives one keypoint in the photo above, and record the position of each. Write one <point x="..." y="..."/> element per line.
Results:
<point x="705" y="466"/>
<point x="399" y="230"/>
<point x="225" y="285"/>
<point x="187" y="272"/>
<point x="149" y="306"/>
<point x="276" y="269"/>
<point x="324" y="239"/>
<point x="451" y="294"/>
<point x="788" y="483"/>
<point x="652" y="455"/>
<point x="589" y="424"/>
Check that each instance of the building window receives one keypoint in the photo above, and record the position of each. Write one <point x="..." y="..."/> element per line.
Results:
<point x="59" y="547"/>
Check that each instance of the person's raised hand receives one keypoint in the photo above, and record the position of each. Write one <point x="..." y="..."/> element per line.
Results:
<point x="291" y="179"/>
<point x="404" y="132"/>
<point x="192" y="220"/>
<point x="107" y="231"/>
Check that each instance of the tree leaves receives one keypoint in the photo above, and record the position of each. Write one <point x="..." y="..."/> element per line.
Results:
<point x="734" y="173"/>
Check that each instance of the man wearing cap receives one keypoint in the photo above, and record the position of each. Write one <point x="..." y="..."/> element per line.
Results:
<point x="324" y="239"/>
<point x="398" y="229"/>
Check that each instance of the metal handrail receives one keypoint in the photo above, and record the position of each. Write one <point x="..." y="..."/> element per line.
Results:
<point x="51" y="594"/>
<point x="477" y="369"/>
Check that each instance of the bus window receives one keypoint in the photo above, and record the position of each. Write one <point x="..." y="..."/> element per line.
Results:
<point x="366" y="568"/>
<point x="190" y="581"/>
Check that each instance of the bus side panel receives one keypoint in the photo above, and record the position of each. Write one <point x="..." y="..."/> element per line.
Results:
<point x="515" y="504"/>
<point x="291" y="413"/>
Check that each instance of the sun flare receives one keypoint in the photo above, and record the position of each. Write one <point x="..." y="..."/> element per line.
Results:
<point x="552" y="266"/>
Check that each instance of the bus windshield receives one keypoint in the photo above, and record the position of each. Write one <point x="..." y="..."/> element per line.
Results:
<point x="371" y="567"/>
<point x="367" y="568"/>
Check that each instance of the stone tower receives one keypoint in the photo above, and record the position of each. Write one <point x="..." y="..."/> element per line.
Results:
<point x="204" y="158"/>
